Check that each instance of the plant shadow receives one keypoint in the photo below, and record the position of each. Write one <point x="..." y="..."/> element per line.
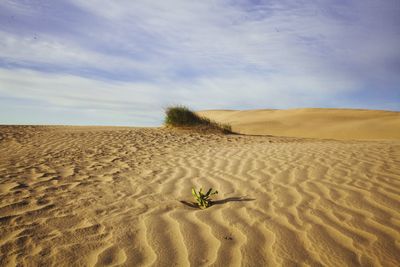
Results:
<point x="218" y="202"/>
<point x="232" y="199"/>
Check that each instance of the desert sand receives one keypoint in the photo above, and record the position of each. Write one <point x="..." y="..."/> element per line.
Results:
<point x="345" y="124"/>
<point x="114" y="196"/>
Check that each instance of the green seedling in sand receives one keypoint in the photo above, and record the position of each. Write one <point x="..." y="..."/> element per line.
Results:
<point x="203" y="200"/>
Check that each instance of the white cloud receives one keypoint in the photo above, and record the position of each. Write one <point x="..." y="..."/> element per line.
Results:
<point x="146" y="100"/>
<point x="68" y="90"/>
<point x="158" y="39"/>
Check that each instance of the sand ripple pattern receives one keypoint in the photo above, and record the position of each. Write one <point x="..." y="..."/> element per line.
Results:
<point x="111" y="196"/>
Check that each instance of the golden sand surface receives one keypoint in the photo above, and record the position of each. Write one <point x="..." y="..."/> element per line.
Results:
<point x="345" y="124"/>
<point x="112" y="196"/>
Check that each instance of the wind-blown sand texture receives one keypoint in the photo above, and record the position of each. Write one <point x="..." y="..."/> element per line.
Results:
<point x="108" y="196"/>
<point x="342" y="124"/>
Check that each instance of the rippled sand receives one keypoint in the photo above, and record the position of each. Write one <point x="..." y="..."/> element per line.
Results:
<point x="115" y="196"/>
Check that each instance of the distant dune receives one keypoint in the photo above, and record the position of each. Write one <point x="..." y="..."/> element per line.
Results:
<point x="312" y="122"/>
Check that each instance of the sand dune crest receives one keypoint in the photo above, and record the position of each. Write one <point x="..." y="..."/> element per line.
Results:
<point x="342" y="124"/>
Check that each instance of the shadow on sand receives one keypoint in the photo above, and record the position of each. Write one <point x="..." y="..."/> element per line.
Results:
<point x="218" y="202"/>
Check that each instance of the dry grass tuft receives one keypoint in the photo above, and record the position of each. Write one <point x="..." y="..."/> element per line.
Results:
<point x="183" y="118"/>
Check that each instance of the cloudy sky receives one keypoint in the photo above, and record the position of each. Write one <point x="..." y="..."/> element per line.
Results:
<point x="121" y="62"/>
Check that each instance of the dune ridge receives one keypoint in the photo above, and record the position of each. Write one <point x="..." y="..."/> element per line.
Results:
<point x="112" y="196"/>
<point x="344" y="124"/>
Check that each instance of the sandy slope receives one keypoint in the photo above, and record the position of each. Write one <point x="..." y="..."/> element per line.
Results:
<point x="312" y="122"/>
<point x="111" y="196"/>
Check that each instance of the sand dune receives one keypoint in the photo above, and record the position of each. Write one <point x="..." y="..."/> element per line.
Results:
<point x="312" y="122"/>
<point x="111" y="196"/>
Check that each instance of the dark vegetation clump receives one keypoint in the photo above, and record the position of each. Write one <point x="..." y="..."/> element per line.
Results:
<point x="183" y="117"/>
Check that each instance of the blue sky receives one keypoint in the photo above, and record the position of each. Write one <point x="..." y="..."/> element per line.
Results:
<point x="121" y="62"/>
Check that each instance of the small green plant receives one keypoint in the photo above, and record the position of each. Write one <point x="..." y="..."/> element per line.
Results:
<point x="203" y="200"/>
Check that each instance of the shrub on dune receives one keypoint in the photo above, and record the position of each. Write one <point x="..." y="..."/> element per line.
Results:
<point x="181" y="116"/>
